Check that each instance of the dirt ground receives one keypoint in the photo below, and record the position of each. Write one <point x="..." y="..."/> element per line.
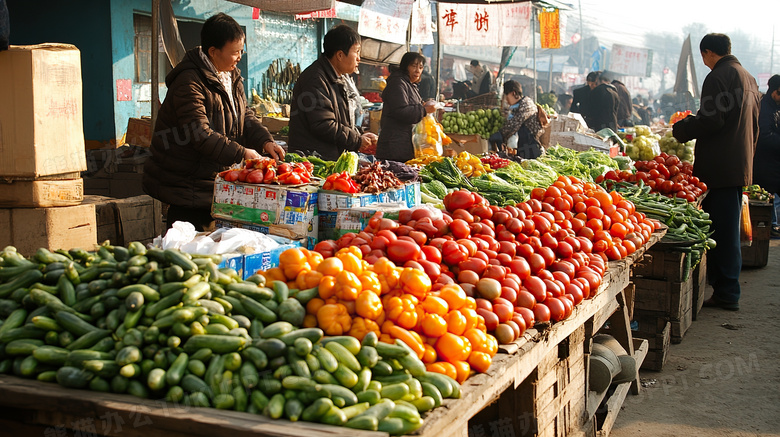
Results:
<point x="724" y="378"/>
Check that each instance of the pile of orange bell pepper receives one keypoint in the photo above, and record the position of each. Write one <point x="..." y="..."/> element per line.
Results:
<point x="355" y="297"/>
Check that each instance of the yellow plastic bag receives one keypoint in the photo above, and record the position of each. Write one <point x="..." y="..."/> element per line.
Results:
<point x="745" y="227"/>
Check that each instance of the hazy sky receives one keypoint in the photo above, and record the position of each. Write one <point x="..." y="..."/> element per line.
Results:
<point x="627" y="20"/>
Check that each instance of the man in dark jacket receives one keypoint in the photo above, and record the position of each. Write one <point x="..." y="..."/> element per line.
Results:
<point x="725" y="129"/>
<point x="582" y="96"/>
<point x="204" y="125"/>
<point x="321" y="120"/>
<point x="427" y="85"/>
<point x="603" y="105"/>
<point x="625" y="107"/>
<point x="766" y="163"/>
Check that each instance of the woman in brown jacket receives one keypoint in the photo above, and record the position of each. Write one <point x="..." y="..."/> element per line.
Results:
<point x="204" y="125"/>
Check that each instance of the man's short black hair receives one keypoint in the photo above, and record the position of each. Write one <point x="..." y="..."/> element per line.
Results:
<point x="717" y="43"/>
<point x="410" y="58"/>
<point x="474" y="63"/>
<point x="773" y="83"/>
<point x="339" y="39"/>
<point x="593" y="76"/>
<point x="605" y="77"/>
<point x="218" y="30"/>
<point x="512" y="86"/>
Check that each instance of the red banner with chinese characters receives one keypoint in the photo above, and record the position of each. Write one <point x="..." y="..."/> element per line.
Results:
<point x="550" y="29"/>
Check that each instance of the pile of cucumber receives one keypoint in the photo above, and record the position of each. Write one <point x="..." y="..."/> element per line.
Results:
<point x="163" y="324"/>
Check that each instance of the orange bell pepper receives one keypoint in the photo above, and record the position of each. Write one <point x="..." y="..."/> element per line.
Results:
<point x="330" y="266"/>
<point x="430" y="354"/>
<point x="453" y="347"/>
<point x="310" y="321"/>
<point x="347" y="286"/>
<point x="478" y="340"/>
<point x="462" y="370"/>
<point x="471" y="317"/>
<point x="349" y="304"/>
<point x="415" y="282"/>
<point x="402" y="311"/>
<point x="351" y="257"/>
<point x="307" y="279"/>
<point x="456" y="322"/>
<point x="292" y="262"/>
<point x="314" y="305"/>
<point x="361" y="327"/>
<point x="434" y="325"/>
<point x="370" y="281"/>
<point x="334" y="319"/>
<point x="454" y="295"/>
<point x="327" y="287"/>
<point x="388" y="274"/>
<point x="274" y="274"/>
<point x="435" y="305"/>
<point x="480" y="361"/>
<point x="368" y="305"/>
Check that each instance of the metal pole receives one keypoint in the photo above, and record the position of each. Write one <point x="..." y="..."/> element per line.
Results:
<point x="582" y="43"/>
<point x="533" y="47"/>
<point x="155" y="59"/>
<point x="437" y="52"/>
<point x="772" y="52"/>
<point x="550" y="76"/>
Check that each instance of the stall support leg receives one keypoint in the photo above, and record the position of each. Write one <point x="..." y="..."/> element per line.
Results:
<point x="621" y="330"/>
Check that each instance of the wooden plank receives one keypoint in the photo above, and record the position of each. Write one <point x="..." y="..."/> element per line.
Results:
<point x="57" y="406"/>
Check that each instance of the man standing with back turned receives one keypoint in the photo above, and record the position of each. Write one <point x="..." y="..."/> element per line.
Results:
<point x="726" y="130"/>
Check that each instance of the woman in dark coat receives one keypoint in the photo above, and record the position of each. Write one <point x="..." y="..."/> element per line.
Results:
<point x="204" y="125"/>
<point x="402" y="109"/>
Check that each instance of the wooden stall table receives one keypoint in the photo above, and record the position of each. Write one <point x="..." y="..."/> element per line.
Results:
<point x="530" y="363"/>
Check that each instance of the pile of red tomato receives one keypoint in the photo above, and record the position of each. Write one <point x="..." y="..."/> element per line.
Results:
<point x="664" y="174"/>
<point x="265" y="170"/>
<point x="524" y="264"/>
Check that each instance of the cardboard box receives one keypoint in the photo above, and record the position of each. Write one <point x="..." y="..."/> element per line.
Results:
<point x="41" y="124"/>
<point x="126" y="184"/>
<point x="41" y="193"/>
<point x="582" y="142"/>
<point x="249" y="264"/>
<point x="287" y="211"/>
<point x="53" y="228"/>
<point x="474" y="144"/>
<point x="139" y="132"/>
<point x="121" y="221"/>
<point x="340" y="213"/>
<point x="275" y="124"/>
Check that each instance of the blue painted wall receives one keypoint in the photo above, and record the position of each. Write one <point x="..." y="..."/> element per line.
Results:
<point x="86" y="26"/>
<point x="270" y="37"/>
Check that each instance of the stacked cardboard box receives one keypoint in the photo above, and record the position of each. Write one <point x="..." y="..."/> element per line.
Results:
<point x="42" y="150"/>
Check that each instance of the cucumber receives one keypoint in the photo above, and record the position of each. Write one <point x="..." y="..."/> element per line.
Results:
<point x="412" y="364"/>
<point x="102" y="368"/>
<point x="334" y="416"/>
<point x="241" y="398"/>
<point x="332" y="390"/>
<point x="424" y="404"/>
<point x="277" y="329"/>
<point x="105" y="345"/>
<point x="371" y="396"/>
<point x="443" y="383"/>
<point x="343" y="355"/>
<point x="354" y="410"/>
<point x="232" y="361"/>
<point x="197" y="399"/>
<point x="390" y="351"/>
<point x="175" y="394"/>
<point x="269" y="386"/>
<point x="128" y="355"/>
<point x="350" y="343"/>
<point x="22" y="332"/>
<point x="275" y="407"/>
<point x="248" y="375"/>
<point x="382" y="368"/>
<point x="327" y="359"/>
<point x="149" y="293"/>
<point x="312" y="334"/>
<point x="415" y="388"/>
<point x="76" y="358"/>
<point x="176" y="371"/>
<point x="293" y="382"/>
<point x="47" y="376"/>
<point x="304" y="296"/>
<point x="293" y="409"/>
<point x="368" y="356"/>
<point x="258" y="399"/>
<point x="405" y="411"/>
<point x="368" y="423"/>
<point x="316" y="410"/>
<point x="431" y="391"/>
<point x="99" y="384"/>
<point x="364" y="378"/>
<point x="255" y="308"/>
<point x="220" y="344"/>
<point x="395" y="391"/>
<point x="29" y="366"/>
<point x="226" y="321"/>
<point x="196" y="367"/>
<point x="22" y="347"/>
<point x="156" y="379"/>
<point x="345" y="376"/>
<point x="53" y="355"/>
<point x="256" y="356"/>
<point x="138" y="389"/>
<point x="195" y="292"/>
<point x="251" y="290"/>
<point x="302" y="346"/>
<point x="273" y="347"/>
<point x="180" y="259"/>
<point x="72" y="377"/>
<point x="324" y="377"/>
<point x="193" y="384"/>
<point x="89" y="339"/>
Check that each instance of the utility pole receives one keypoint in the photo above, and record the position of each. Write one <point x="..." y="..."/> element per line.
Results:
<point x="582" y="43"/>
<point x="772" y="52"/>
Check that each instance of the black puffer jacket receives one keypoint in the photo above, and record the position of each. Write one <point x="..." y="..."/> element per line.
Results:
<point x="402" y="108"/>
<point x="725" y="127"/>
<point x="319" y="119"/>
<point x="197" y="135"/>
<point x="603" y="107"/>
<point x="766" y="162"/>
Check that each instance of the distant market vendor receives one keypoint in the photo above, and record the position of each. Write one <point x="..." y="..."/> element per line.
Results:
<point x="204" y="125"/>
<point x="322" y="119"/>
<point x="403" y="108"/>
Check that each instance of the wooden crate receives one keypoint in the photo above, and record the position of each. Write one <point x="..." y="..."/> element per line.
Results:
<point x="757" y="254"/>
<point x="661" y="264"/>
<point x="671" y="298"/>
<point x="699" y="284"/>
<point x="680" y="326"/>
<point x="658" y="347"/>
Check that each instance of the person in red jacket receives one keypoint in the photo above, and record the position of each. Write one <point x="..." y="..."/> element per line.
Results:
<point x="726" y="130"/>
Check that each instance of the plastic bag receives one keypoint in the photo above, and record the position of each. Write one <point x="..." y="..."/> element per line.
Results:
<point x="745" y="227"/>
<point x="429" y="138"/>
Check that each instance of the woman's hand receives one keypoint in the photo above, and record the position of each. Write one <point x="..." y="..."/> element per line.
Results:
<point x="430" y="106"/>
<point x="250" y="154"/>
<point x="368" y="139"/>
<point x="276" y="151"/>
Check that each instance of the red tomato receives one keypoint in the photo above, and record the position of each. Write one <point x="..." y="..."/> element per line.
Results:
<point x="484" y="303"/>
<point x="432" y="254"/>
<point x="473" y="264"/>
<point x="525" y="299"/>
<point x="491" y="319"/>
<point x="573" y="289"/>
<point x="459" y="228"/>
<point x="509" y="294"/>
<point x="520" y="267"/>
<point x="547" y="254"/>
<point x="541" y="313"/>
<point x="468" y="277"/>
<point x="556" y="309"/>
<point x="536" y="287"/>
<point x="537" y="262"/>
<point x="527" y="314"/>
